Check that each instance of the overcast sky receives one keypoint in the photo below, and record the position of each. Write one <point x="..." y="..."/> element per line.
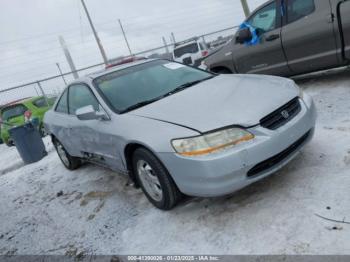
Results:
<point x="29" y="30"/>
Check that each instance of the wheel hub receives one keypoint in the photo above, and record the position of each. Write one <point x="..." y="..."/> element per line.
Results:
<point x="62" y="154"/>
<point x="149" y="180"/>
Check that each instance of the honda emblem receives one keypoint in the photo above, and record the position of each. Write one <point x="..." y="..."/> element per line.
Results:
<point x="285" y="114"/>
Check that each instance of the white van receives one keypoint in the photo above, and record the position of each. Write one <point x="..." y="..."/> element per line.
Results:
<point x="190" y="52"/>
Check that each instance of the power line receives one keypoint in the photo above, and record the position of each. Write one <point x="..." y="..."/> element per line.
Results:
<point x="54" y="34"/>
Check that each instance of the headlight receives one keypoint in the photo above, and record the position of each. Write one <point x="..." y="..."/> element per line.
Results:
<point x="212" y="142"/>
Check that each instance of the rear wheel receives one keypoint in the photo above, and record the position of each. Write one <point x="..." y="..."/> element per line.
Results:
<point x="68" y="161"/>
<point x="155" y="181"/>
<point x="9" y="143"/>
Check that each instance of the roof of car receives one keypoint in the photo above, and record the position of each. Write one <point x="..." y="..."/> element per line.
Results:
<point x="186" y="42"/>
<point x="20" y="101"/>
<point x="116" y="68"/>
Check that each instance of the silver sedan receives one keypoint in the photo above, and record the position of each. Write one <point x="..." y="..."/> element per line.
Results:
<point x="178" y="130"/>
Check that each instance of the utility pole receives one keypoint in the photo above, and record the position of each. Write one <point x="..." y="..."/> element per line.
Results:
<point x="165" y="45"/>
<point x="103" y="53"/>
<point x="59" y="69"/>
<point x="204" y="42"/>
<point x="245" y="7"/>
<point x="126" y="40"/>
<point x="68" y="57"/>
<point x="43" y="93"/>
<point x="173" y="37"/>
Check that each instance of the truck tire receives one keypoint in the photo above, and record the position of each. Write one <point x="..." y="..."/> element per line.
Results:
<point x="221" y="70"/>
<point x="154" y="179"/>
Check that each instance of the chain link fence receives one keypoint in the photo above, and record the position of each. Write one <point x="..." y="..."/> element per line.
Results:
<point x="53" y="86"/>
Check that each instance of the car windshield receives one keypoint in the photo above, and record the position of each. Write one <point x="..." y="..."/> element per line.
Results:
<point x="187" y="49"/>
<point x="13" y="111"/>
<point x="127" y="88"/>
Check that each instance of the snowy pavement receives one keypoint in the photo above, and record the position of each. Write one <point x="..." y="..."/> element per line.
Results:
<point x="45" y="209"/>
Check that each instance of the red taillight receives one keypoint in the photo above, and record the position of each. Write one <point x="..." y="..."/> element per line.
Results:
<point x="205" y="53"/>
<point x="27" y="115"/>
<point x="125" y="61"/>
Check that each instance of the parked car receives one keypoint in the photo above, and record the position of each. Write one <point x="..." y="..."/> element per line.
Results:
<point x="190" y="52"/>
<point x="123" y="60"/>
<point x="288" y="38"/>
<point x="175" y="129"/>
<point x="14" y="114"/>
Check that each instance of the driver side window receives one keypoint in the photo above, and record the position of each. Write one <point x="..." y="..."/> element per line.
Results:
<point x="79" y="96"/>
<point x="265" y="18"/>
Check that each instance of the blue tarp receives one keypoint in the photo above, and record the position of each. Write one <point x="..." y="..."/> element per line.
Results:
<point x="255" y="38"/>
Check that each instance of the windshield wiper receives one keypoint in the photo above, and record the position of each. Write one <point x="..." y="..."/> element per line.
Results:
<point x="187" y="85"/>
<point x="140" y="104"/>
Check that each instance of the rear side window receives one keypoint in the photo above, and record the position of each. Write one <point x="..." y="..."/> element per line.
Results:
<point x="297" y="9"/>
<point x="62" y="105"/>
<point x="80" y="96"/>
<point x="13" y="111"/>
<point x="187" y="49"/>
<point x="41" y="102"/>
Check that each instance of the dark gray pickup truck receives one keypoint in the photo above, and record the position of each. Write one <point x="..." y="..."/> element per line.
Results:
<point x="288" y="37"/>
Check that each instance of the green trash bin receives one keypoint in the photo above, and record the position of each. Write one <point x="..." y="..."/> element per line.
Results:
<point x="28" y="142"/>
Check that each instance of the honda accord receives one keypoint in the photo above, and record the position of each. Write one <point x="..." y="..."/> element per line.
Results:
<point x="179" y="130"/>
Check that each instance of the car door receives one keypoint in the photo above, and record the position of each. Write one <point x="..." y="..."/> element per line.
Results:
<point x="344" y="19"/>
<point x="308" y="35"/>
<point x="267" y="56"/>
<point x="61" y="124"/>
<point x="94" y="138"/>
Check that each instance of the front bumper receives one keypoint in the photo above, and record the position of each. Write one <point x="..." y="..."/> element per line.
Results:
<point x="225" y="172"/>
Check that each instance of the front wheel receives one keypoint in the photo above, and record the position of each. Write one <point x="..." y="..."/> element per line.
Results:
<point x="67" y="160"/>
<point x="155" y="181"/>
<point x="9" y="143"/>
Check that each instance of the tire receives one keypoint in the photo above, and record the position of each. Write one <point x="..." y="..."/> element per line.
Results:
<point x="70" y="162"/>
<point x="223" y="71"/>
<point x="170" y="194"/>
<point x="9" y="143"/>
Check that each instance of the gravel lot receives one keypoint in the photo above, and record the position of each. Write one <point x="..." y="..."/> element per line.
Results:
<point x="45" y="209"/>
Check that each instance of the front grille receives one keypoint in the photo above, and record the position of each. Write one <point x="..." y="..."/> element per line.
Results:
<point x="187" y="61"/>
<point x="273" y="161"/>
<point x="282" y="115"/>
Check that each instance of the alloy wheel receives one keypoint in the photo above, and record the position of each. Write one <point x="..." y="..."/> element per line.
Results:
<point x="62" y="154"/>
<point x="149" y="180"/>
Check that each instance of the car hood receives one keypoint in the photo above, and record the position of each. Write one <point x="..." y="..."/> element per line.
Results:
<point x="223" y="101"/>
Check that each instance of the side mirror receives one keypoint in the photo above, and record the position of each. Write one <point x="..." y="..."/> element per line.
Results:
<point x="243" y="35"/>
<point x="89" y="113"/>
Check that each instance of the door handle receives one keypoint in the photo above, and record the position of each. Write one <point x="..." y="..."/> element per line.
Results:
<point x="272" y="37"/>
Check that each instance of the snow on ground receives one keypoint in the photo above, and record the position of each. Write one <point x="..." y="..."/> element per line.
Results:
<point x="98" y="213"/>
